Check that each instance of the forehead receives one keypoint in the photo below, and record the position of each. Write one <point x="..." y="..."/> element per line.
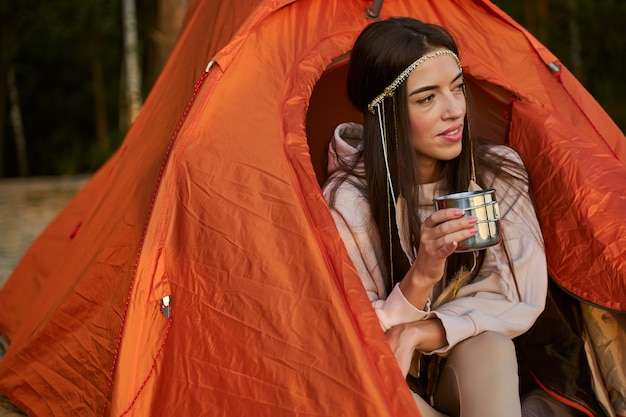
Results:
<point x="437" y="71"/>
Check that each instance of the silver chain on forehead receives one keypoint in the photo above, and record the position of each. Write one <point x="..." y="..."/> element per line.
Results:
<point x="405" y="74"/>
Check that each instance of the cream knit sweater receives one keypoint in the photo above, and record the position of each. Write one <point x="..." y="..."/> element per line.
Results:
<point x="490" y="302"/>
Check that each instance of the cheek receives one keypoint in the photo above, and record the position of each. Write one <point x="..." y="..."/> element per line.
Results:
<point x="421" y="126"/>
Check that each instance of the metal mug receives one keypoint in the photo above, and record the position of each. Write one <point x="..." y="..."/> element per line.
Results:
<point x="482" y="205"/>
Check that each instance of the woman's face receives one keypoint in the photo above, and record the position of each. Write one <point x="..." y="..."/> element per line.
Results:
<point x="437" y="107"/>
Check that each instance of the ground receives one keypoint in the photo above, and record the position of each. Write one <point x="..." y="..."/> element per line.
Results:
<point x="27" y="205"/>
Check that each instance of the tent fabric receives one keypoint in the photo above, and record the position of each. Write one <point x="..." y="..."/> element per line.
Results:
<point x="214" y="199"/>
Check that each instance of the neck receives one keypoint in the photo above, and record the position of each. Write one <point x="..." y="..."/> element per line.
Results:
<point x="428" y="172"/>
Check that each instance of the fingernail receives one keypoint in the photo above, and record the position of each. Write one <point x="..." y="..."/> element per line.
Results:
<point x="459" y="212"/>
<point x="472" y="220"/>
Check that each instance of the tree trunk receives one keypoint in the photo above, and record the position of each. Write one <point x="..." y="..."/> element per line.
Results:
<point x="169" y="20"/>
<point x="16" y="122"/>
<point x="99" y="91"/>
<point x="8" y="30"/>
<point x="163" y="28"/>
<point x="575" y="41"/>
<point x="537" y="15"/>
<point x="131" y="59"/>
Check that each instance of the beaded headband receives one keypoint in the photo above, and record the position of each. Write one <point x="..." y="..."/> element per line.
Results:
<point x="405" y="74"/>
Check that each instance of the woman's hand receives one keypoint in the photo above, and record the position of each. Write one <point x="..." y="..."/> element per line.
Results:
<point x="440" y="235"/>
<point x="401" y="339"/>
<point x="424" y="336"/>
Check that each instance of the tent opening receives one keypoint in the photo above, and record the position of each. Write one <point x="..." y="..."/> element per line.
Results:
<point x="329" y="106"/>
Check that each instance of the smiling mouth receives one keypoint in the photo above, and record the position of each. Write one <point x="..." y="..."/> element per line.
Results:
<point x="453" y="132"/>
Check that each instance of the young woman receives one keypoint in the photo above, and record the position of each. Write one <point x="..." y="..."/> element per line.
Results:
<point x="449" y="317"/>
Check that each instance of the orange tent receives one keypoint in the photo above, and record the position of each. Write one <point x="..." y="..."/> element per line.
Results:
<point x="214" y="201"/>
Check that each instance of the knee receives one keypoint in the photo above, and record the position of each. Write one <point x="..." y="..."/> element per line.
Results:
<point x="490" y="351"/>
<point x="495" y="345"/>
<point x="475" y="371"/>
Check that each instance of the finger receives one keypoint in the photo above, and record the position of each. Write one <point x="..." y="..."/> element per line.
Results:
<point x="455" y="225"/>
<point x="444" y="245"/>
<point x="448" y="242"/>
<point x="440" y="216"/>
<point x="450" y="227"/>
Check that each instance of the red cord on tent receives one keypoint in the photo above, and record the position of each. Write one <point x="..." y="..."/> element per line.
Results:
<point x="167" y="331"/>
<point x="139" y="250"/>
<point x="75" y="231"/>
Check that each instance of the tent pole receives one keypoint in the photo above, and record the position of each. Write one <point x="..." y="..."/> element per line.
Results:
<point x="373" y="11"/>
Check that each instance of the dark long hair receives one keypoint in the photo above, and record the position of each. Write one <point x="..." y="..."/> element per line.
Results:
<point x="381" y="52"/>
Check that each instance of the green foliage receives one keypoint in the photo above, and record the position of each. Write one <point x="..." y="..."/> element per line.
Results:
<point x="55" y="44"/>
<point x="600" y="26"/>
<point x="53" y="66"/>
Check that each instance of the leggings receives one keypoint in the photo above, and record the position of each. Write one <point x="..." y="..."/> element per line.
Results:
<point x="479" y="379"/>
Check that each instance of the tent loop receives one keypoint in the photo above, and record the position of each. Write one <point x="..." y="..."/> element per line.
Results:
<point x="209" y="66"/>
<point x="373" y="11"/>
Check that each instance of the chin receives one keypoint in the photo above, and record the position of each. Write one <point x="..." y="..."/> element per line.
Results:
<point x="451" y="154"/>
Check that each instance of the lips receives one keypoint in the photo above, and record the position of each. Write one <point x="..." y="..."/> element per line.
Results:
<point x="453" y="134"/>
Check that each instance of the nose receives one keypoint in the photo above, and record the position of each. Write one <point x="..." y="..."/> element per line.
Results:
<point x="455" y="106"/>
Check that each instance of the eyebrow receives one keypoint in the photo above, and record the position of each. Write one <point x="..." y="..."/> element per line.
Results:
<point x="432" y="87"/>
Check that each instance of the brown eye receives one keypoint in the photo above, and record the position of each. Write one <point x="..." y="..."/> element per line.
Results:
<point x="426" y="99"/>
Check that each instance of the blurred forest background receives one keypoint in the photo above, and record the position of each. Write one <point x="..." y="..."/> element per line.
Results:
<point x="75" y="72"/>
